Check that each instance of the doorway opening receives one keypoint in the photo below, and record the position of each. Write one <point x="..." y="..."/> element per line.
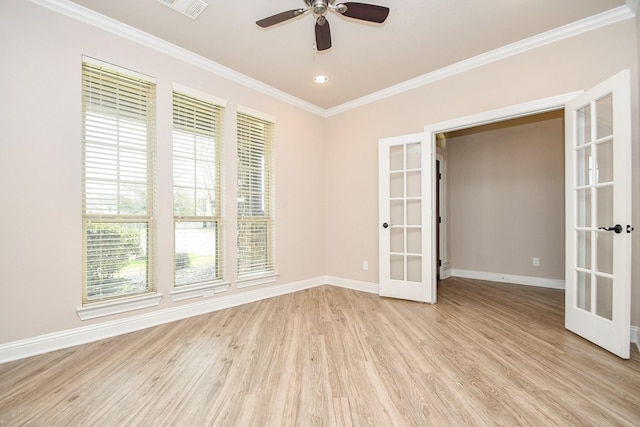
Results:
<point x="501" y="214"/>
<point x="512" y="112"/>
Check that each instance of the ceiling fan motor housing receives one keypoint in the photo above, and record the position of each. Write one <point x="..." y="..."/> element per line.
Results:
<point x="319" y="7"/>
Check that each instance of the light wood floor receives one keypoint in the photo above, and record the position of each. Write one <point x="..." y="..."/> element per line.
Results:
<point x="486" y="354"/>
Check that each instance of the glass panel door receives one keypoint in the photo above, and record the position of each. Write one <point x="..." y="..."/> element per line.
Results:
<point x="598" y="173"/>
<point x="404" y="266"/>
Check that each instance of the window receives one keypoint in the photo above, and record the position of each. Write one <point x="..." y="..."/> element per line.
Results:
<point x="197" y="164"/>
<point x="255" y="194"/>
<point x="118" y="139"/>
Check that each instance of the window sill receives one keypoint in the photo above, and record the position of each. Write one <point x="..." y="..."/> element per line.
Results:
<point x="255" y="280"/>
<point x="205" y="290"/>
<point x="102" y="309"/>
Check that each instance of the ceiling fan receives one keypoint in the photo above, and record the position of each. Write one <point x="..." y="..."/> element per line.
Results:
<point x="319" y="8"/>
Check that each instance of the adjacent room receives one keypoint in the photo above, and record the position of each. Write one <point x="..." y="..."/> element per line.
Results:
<point x="230" y="213"/>
<point x="504" y="200"/>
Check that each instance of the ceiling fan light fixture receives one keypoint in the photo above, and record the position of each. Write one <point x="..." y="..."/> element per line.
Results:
<point x="320" y="79"/>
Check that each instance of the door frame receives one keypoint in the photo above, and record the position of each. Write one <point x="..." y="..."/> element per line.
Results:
<point x="544" y="105"/>
<point x="437" y="214"/>
<point x="443" y="248"/>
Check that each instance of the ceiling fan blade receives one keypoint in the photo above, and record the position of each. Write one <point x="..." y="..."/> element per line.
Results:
<point x="279" y="17"/>
<point x="323" y="34"/>
<point x="366" y="12"/>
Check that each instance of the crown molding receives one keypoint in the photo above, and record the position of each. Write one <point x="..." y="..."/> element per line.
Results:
<point x="98" y="20"/>
<point x="537" y="106"/>
<point x="570" y="30"/>
<point x="95" y="19"/>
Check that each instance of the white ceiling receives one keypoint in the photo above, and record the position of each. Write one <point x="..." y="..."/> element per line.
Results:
<point x="419" y="36"/>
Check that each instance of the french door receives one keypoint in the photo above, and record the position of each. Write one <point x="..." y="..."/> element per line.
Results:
<point x="598" y="214"/>
<point x="405" y="218"/>
<point x="598" y="210"/>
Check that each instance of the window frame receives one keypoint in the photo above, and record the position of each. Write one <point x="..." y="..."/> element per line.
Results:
<point x="255" y="182"/>
<point x="118" y="135"/>
<point x="196" y="114"/>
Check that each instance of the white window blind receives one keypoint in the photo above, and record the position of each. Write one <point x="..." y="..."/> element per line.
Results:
<point x="118" y="139"/>
<point x="256" y="243"/>
<point x="197" y="199"/>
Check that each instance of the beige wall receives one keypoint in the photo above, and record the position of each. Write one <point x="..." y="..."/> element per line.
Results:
<point x="506" y="197"/>
<point x="40" y="189"/>
<point x="577" y="63"/>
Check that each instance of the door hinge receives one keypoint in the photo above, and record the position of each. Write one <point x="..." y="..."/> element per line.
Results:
<point x="439" y="263"/>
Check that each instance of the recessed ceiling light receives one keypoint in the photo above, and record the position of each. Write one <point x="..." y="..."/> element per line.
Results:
<point x="320" y="79"/>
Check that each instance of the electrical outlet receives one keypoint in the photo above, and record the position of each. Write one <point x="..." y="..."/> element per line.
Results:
<point x="365" y="265"/>
<point x="536" y="262"/>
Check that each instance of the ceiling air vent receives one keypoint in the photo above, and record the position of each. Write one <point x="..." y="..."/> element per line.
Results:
<point x="191" y="8"/>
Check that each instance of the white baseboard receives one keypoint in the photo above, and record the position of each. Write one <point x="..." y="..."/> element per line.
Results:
<point x="85" y="334"/>
<point x="635" y="336"/>
<point x="445" y="274"/>
<point x="509" y="278"/>
<point x="356" y="285"/>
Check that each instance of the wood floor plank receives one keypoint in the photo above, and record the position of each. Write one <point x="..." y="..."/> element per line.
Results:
<point x="485" y="354"/>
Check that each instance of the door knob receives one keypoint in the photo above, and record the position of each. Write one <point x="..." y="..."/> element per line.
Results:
<point x="617" y="228"/>
<point x="385" y="225"/>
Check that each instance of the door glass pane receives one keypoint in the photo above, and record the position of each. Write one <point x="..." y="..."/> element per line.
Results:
<point x="583" y="167"/>
<point x="397" y="212"/>
<point x="413" y="184"/>
<point x="583" y="210"/>
<point x="604" y="251"/>
<point x="583" y="125"/>
<point x="414" y="240"/>
<point x="414" y="212"/>
<point x="584" y="249"/>
<point x="413" y="156"/>
<point x="396" y="185"/>
<point x="604" y="168"/>
<point x="396" y="158"/>
<point x="397" y="240"/>
<point x="604" y="297"/>
<point x="414" y="269"/>
<point x="604" y="111"/>
<point x="584" y="291"/>
<point x="605" y="206"/>
<point x="397" y="267"/>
